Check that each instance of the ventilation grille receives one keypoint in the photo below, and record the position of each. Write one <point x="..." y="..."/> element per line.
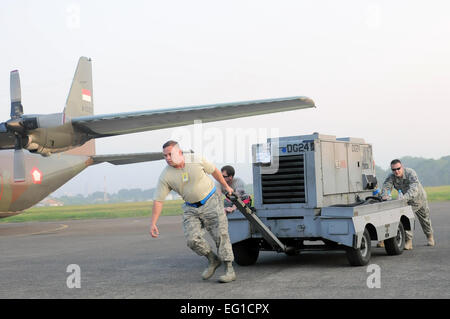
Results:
<point x="288" y="184"/>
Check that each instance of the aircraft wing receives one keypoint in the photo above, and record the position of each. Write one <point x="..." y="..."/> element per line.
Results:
<point x="124" y="123"/>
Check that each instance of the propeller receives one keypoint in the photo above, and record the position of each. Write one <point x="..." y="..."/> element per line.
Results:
<point x="15" y="126"/>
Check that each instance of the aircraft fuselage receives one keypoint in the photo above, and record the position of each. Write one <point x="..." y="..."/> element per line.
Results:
<point x="43" y="175"/>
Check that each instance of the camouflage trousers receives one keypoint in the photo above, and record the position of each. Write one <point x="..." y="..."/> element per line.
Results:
<point x="210" y="217"/>
<point x="422" y="213"/>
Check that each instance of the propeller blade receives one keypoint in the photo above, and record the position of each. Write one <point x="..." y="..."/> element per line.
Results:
<point x="19" y="166"/>
<point x="16" y="95"/>
<point x="3" y="128"/>
<point x="19" y="161"/>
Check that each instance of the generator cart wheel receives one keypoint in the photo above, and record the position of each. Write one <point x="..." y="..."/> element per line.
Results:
<point x="361" y="255"/>
<point x="246" y="252"/>
<point x="395" y="245"/>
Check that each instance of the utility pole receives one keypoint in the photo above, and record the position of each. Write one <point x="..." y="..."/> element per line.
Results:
<point x="105" y="195"/>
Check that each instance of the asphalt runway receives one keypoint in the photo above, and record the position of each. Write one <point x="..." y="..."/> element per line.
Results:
<point x="117" y="258"/>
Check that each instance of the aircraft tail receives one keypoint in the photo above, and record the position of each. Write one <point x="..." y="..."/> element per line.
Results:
<point x="80" y="102"/>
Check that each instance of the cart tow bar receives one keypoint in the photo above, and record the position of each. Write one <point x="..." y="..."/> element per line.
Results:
<point x="256" y="222"/>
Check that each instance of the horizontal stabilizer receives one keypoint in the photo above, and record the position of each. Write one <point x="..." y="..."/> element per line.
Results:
<point x="122" y="159"/>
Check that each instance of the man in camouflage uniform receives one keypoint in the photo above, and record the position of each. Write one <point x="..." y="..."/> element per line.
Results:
<point x="203" y="208"/>
<point x="406" y="180"/>
<point x="236" y="184"/>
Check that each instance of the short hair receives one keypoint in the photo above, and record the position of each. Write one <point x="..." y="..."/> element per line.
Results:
<point x="396" y="161"/>
<point x="229" y="169"/>
<point x="169" y="143"/>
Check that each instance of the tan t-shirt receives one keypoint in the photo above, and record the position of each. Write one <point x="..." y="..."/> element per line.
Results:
<point x="191" y="182"/>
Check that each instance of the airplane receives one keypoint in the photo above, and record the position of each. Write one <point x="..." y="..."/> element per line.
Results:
<point x="41" y="152"/>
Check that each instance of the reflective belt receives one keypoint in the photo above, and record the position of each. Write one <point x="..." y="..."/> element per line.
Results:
<point x="203" y="201"/>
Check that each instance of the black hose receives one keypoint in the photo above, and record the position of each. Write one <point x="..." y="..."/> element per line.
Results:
<point x="378" y="199"/>
<point x="368" y="200"/>
<point x="348" y="205"/>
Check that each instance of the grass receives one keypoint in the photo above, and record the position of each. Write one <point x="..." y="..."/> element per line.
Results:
<point x="118" y="210"/>
<point x="438" y="193"/>
<point x="143" y="209"/>
<point x="434" y="193"/>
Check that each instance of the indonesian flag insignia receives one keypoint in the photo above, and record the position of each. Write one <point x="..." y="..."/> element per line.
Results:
<point x="86" y="95"/>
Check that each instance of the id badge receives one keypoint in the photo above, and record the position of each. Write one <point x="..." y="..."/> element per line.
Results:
<point x="185" y="177"/>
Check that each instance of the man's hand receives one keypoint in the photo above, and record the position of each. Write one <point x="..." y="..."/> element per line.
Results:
<point x="154" y="231"/>
<point x="156" y="211"/>
<point x="229" y="210"/>
<point x="218" y="177"/>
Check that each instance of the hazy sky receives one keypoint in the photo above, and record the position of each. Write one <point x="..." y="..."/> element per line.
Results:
<point x="379" y="70"/>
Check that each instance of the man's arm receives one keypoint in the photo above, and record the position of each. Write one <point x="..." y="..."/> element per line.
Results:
<point x="413" y="190"/>
<point x="218" y="177"/>
<point x="387" y="185"/>
<point x="156" y="212"/>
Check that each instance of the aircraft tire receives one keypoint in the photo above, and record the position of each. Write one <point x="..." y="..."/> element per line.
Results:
<point x="246" y="252"/>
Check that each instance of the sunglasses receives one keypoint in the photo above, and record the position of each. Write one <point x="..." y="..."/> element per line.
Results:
<point x="396" y="169"/>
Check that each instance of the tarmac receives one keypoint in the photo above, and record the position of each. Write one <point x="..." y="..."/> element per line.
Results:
<point x="117" y="258"/>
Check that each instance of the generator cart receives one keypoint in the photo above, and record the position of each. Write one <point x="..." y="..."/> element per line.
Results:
<point x="316" y="188"/>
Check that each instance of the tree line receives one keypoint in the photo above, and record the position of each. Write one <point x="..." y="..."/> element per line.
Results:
<point x="431" y="173"/>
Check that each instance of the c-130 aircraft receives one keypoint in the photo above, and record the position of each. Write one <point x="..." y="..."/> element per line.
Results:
<point x="41" y="152"/>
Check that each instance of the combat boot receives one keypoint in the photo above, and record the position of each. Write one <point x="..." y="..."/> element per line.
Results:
<point x="213" y="263"/>
<point x="408" y="244"/>
<point x="430" y="240"/>
<point x="229" y="273"/>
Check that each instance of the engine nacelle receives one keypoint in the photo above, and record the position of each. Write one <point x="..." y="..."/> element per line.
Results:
<point x="50" y="135"/>
<point x="34" y="121"/>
